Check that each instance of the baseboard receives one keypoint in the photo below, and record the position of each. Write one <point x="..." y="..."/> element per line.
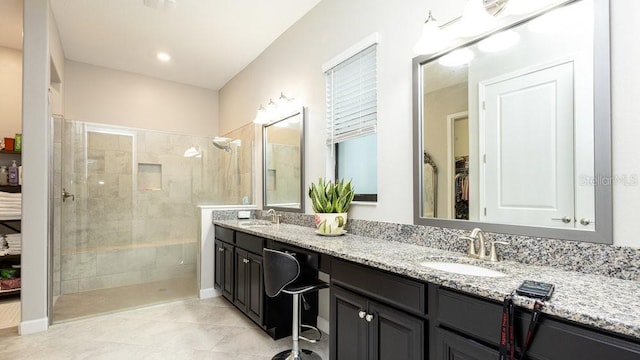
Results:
<point x="33" y="326"/>
<point x="323" y="325"/>
<point x="209" y="293"/>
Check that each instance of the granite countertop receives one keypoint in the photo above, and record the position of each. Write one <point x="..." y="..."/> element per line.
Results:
<point x="607" y="303"/>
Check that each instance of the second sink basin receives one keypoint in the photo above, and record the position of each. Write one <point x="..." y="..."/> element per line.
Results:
<point x="465" y="269"/>
<point x="254" y="223"/>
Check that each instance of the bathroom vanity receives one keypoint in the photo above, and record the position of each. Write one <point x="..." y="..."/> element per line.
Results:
<point x="385" y="304"/>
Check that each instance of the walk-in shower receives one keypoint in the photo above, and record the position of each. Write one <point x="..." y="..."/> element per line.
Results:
<point x="129" y="236"/>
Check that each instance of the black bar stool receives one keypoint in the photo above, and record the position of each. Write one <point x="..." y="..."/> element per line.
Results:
<point x="281" y="272"/>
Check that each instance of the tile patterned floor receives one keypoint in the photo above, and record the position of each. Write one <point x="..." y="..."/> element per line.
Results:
<point x="106" y="301"/>
<point x="188" y="329"/>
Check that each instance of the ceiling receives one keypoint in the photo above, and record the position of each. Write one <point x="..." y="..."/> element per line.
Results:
<point x="209" y="41"/>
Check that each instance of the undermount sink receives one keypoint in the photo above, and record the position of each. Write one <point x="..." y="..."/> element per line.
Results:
<point x="254" y="223"/>
<point x="464" y="269"/>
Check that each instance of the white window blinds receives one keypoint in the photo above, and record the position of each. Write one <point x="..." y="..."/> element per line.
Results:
<point x="352" y="97"/>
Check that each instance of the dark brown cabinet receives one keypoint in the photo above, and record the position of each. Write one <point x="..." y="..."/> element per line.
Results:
<point x="468" y="327"/>
<point x="450" y="346"/>
<point x="349" y="330"/>
<point x="223" y="278"/>
<point x="249" y="289"/>
<point x="363" y="327"/>
<point x="239" y="275"/>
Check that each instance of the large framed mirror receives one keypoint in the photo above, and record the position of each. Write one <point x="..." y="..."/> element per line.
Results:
<point x="518" y="124"/>
<point x="283" y="163"/>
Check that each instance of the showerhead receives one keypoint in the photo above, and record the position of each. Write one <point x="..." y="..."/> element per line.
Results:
<point x="224" y="143"/>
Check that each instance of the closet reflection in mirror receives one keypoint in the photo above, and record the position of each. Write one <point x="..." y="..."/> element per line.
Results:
<point x="282" y="163"/>
<point x="509" y="123"/>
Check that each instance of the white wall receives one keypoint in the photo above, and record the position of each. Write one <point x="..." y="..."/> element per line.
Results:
<point x="10" y="92"/>
<point x="36" y="145"/>
<point x="292" y="64"/>
<point x="102" y="95"/>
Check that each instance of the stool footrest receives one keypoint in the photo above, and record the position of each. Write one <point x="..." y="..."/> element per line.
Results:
<point x="309" y="327"/>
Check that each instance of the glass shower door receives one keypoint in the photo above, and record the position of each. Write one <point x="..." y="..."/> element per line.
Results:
<point x="114" y="250"/>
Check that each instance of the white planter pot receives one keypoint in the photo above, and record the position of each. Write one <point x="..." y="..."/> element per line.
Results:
<point x="331" y="223"/>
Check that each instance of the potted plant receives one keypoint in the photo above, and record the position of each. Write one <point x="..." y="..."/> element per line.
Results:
<point x="331" y="202"/>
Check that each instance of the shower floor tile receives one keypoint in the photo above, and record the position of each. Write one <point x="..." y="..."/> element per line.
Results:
<point x="104" y="301"/>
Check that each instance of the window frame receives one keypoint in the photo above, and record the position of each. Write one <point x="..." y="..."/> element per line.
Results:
<point x="364" y="44"/>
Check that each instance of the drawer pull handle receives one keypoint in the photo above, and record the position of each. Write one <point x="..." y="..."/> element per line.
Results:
<point x="221" y="249"/>
<point x="369" y="317"/>
<point x="361" y="314"/>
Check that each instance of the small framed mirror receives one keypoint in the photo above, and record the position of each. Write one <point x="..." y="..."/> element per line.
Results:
<point x="283" y="163"/>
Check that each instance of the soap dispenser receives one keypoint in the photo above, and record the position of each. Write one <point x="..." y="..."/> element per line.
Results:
<point x="13" y="173"/>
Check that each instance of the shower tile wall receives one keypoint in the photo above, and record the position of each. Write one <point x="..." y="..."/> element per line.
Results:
<point x="233" y="174"/>
<point x="115" y="234"/>
<point x="284" y="168"/>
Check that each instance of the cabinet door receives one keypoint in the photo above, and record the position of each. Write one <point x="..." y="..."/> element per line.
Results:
<point x="455" y="347"/>
<point x="218" y="278"/>
<point x="240" y="277"/>
<point x="348" y="329"/>
<point x="255" y="289"/>
<point x="223" y="279"/>
<point x="394" y="334"/>
<point x="228" y="284"/>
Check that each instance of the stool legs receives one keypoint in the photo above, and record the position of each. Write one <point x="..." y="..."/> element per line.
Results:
<point x="295" y="353"/>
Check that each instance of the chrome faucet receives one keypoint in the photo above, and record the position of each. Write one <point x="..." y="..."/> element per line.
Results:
<point x="477" y="234"/>
<point x="274" y="217"/>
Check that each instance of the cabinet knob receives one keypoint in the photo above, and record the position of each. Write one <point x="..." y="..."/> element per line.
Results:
<point x="586" y="221"/>
<point x="369" y="317"/>
<point x="361" y="314"/>
<point x="246" y="261"/>
<point x="565" y="219"/>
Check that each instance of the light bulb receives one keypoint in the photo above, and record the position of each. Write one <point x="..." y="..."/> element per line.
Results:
<point x="475" y="19"/>
<point x="261" y="116"/>
<point x="432" y="40"/>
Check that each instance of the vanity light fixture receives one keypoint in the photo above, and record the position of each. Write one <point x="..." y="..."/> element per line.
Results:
<point x="261" y="116"/>
<point x="475" y="20"/>
<point x="433" y="38"/>
<point x="275" y="110"/>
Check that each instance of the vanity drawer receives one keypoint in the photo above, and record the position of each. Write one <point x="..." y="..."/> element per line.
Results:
<point x="392" y="289"/>
<point x="224" y="234"/>
<point x="469" y="315"/>
<point x="554" y="338"/>
<point x="251" y="243"/>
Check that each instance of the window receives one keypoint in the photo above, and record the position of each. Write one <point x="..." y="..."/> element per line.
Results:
<point x="352" y="118"/>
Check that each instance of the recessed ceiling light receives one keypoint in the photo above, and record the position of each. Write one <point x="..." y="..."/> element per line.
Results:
<point x="162" y="56"/>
